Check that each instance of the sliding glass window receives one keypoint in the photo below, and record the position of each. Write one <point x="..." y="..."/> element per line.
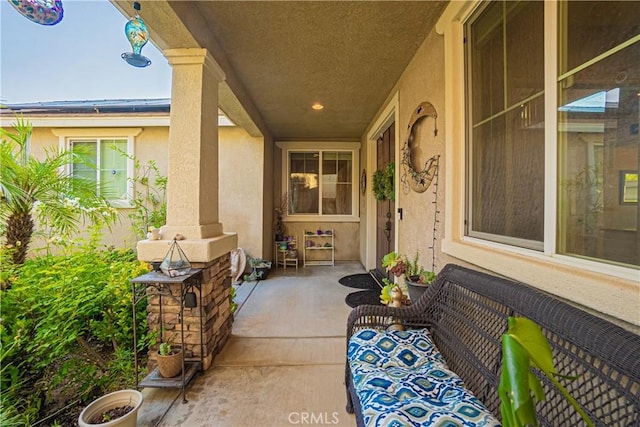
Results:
<point x="505" y="96"/>
<point x="598" y="115"/>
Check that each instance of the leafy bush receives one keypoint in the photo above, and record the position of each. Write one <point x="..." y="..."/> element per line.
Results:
<point x="150" y="198"/>
<point x="67" y="332"/>
<point x="35" y="189"/>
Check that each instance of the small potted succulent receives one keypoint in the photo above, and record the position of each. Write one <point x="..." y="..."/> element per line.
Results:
<point x="169" y="359"/>
<point x="410" y="273"/>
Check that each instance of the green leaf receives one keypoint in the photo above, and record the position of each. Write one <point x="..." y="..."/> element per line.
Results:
<point x="524" y="345"/>
<point x="529" y="335"/>
<point x="536" y="386"/>
<point x="390" y="259"/>
<point x="514" y="383"/>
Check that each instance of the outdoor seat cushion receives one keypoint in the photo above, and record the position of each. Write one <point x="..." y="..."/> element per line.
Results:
<point x="402" y="380"/>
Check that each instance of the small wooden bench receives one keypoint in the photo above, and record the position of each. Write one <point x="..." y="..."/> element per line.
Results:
<point x="465" y="313"/>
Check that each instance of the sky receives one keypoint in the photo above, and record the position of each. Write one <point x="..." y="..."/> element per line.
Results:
<point x="76" y="59"/>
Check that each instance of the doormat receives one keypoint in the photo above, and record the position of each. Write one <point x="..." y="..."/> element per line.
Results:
<point x="360" y="281"/>
<point x="368" y="297"/>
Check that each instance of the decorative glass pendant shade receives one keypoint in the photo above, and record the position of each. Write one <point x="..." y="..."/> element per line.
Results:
<point x="138" y="36"/>
<point x="44" y="12"/>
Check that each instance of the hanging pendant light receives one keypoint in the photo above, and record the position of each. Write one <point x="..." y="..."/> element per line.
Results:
<point x="138" y="35"/>
<point x="44" y="12"/>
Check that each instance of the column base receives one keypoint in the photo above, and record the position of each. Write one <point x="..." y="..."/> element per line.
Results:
<point x="196" y="250"/>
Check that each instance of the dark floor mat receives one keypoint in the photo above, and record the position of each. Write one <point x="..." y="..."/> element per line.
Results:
<point x="360" y="281"/>
<point x="369" y="297"/>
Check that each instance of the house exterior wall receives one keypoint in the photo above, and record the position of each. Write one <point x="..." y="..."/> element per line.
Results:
<point x="347" y="238"/>
<point x="150" y="144"/>
<point x="420" y="82"/>
<point x="245" y="163"/>
<point x="433" y="76"/>
<point x="268" y="213"/>
<point x="242" y="161"/>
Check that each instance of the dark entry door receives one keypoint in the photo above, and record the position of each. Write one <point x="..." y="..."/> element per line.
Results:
<point x="385" y="224"/>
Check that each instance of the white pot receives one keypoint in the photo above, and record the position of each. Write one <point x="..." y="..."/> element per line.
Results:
<point x="110" y="401"/>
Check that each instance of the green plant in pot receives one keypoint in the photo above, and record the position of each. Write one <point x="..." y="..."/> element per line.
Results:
<point x="415" y="277"/>
<point x="169" y="359"/>
<point x="259" y="269"/>
<point x="418" y="278"/>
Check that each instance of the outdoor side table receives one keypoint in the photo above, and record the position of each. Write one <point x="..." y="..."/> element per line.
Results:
<point x="157" y="284"/>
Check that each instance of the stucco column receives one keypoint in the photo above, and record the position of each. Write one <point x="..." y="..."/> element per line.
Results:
<point x="192" y="189"/>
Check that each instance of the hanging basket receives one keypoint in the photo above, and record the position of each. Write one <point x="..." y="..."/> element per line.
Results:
<point x="175" y="262"/>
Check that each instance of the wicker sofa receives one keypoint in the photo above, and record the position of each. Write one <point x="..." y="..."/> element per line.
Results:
<point x="465" y="312"/>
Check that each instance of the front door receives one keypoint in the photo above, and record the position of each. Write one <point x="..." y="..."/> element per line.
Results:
<point x="385" y="224"/>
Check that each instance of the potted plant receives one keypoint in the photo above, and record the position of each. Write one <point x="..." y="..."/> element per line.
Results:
<point x="412" y="276"/>
<point x="280" y="228"/>
<point x="119" y="408"/>
<point x="391" y="294"/>
<point x="169" y="359"/>
<point x="259" y="269"/>
<point x="417" y="278"/>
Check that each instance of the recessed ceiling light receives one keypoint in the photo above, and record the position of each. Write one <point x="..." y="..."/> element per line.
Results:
<point x="317" y="106"/>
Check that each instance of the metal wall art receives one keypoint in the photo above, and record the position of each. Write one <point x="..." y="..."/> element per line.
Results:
<point x="418" y="180"/>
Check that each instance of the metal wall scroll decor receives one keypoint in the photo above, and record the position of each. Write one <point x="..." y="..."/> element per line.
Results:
<point x="418" y="180"/>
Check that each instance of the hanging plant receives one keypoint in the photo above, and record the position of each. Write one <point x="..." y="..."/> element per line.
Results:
<point x="383" y="183"/>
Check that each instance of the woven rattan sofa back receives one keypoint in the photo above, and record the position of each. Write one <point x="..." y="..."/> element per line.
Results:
<point x="467" y="313"/>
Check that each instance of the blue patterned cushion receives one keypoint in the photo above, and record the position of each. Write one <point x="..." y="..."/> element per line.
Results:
<point x="402" y="380"/>
<point x="410" y="349"/>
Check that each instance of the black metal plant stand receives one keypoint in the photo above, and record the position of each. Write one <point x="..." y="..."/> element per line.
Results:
<point x="157" y="284"/>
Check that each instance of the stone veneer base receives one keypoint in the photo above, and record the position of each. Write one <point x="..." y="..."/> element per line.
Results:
<point x="217" y="318"/>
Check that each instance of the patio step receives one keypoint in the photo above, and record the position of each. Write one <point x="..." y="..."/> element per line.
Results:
<point x="282" y="351"/>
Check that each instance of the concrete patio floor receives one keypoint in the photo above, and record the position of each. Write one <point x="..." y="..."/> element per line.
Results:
<point x="284" y="364"/>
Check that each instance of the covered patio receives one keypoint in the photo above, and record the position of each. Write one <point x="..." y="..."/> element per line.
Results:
<point x="303" y="79"/>
<point x="531" y="143"/>
<point x="282" y="365"/>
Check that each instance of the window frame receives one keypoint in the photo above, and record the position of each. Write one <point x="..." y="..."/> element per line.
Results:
<point x="518" y="262"/>
<point x="67" y="136"/>
<point x="471" y="18"/>
<point x="288" y="147"/>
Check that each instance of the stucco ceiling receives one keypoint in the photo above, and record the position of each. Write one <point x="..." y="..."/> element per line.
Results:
<point x="284" y="56"/>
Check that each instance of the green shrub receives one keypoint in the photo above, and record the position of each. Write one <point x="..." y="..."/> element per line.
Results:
<point x="150" y="199"/>
<point x="67" y="331"/>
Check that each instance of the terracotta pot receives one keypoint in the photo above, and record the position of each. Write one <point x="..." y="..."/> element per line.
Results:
<point x="110" y="401"/>
<point x="170" y="365"/>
